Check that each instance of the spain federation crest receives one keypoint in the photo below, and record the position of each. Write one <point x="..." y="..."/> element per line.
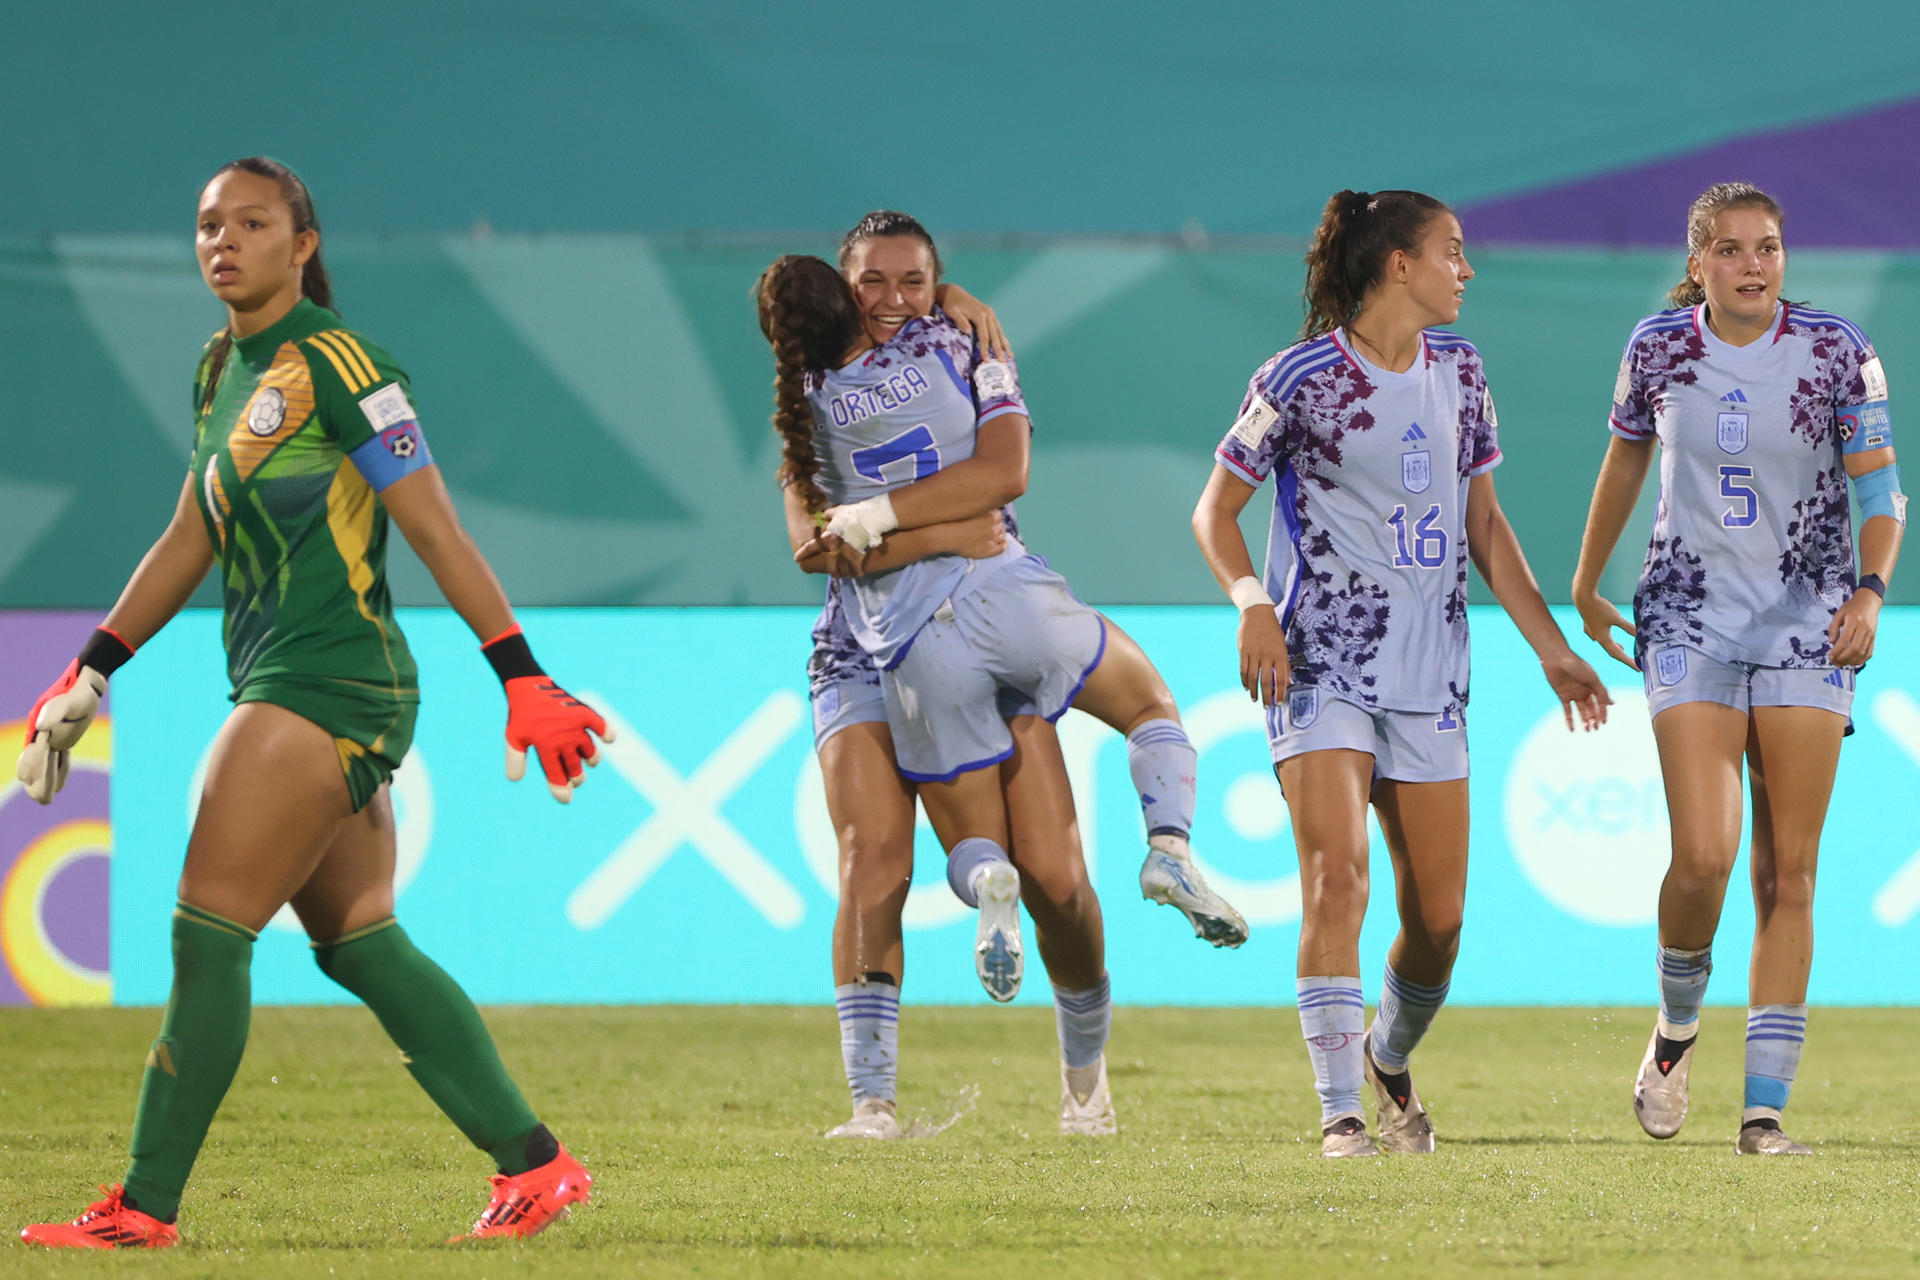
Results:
<point x="1670" y="665"/>
<point x="1416" y="470"/>
<point x="1303" y="706"/>
<point x="1733" y="432"/>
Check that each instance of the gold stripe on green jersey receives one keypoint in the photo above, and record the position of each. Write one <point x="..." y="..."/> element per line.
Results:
<point x="364" y="374"/>
<point x="351" y="505"/>
<point x="337" y="361"/>
<point x="353" y="345"/>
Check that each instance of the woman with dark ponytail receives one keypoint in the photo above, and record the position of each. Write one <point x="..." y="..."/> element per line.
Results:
<point x="305" y="442"/>
<point x="1382" y="435"/>
<point x="1752" y="617"/>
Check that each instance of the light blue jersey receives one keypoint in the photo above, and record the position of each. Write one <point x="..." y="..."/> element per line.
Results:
<point x="1752" y="549"/>
<point x="899" y="414"/>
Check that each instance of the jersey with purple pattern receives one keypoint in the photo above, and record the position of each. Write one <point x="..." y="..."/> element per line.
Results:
<point x="1752" y="547"/>
<point x="1367" y="557"/>
<point x="898" y="414"/>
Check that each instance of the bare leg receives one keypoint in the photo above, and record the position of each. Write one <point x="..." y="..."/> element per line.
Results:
<point x="1327" y="795"/>
<point x="1700" y="748"/>
<point x="872" y="810"/>
<point x="1046" y="848"/>
<point x="1126" y="689"/>
<point x="1794" y="753"/>
<point x="1426" y="828"/>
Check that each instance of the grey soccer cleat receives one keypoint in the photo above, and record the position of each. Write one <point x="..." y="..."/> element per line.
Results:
<point x="1169" y="876"/>
<point x="873" y="1118"/>
<point x="1091" y="1116"/>
<point x="1404" y="1127"/>
<point x="1347" y="1136"/>
<point x="998" y="958"/>
<point x="1660" y="1090"/>
<point x="1764" y="1138"/>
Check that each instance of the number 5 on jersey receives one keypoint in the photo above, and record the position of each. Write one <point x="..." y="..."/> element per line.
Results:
<point x="1428" y="545"/>
<point x="1736" y="486"/>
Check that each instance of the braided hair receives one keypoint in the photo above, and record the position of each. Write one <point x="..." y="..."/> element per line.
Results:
<point x="808" y="313"/>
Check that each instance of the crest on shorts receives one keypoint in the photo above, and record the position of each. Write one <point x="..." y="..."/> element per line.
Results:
<point x="1732" y="433"/>
<point x="827" y="701"/>
<point x="1416" y="470"/>
<point x="267" y="412"/>
<point x="1303" y="706"/>
<point x="1670" y="665"/>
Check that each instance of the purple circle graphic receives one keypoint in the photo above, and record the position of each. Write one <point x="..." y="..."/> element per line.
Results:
<point x="74" y="914"/>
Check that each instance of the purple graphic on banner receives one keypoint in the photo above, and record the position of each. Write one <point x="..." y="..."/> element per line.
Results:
<point x="54" y="859"/>
<point x="1845" y="183"/>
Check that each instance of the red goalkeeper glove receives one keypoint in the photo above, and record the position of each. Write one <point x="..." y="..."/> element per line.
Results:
<point x="63" y="713"/>
<point x="543" y="718"/>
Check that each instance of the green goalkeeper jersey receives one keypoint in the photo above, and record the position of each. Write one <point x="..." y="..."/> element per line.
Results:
<point x="306" y="423"/>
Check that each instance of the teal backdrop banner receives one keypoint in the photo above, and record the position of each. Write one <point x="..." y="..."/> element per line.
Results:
<point x="698" y="865"/>
<point x="599" y="405"/>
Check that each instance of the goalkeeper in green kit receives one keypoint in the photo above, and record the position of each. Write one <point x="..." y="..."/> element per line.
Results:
<point x="305" y="442"/>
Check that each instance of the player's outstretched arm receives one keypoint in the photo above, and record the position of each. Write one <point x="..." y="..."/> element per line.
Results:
<point x="1622" y="474"/>
<point x="1496" y="553"/>
<point x="1264" y="669"/>
<point x="541" y="716"/>
<point x="159" y="588"/>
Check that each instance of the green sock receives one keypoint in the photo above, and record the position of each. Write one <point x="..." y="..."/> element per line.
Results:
<point x="202" y="1036"/>
<point x="441" y="1037"/>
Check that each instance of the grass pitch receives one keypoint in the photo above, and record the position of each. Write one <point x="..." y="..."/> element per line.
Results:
<point x="701" y="1127"/>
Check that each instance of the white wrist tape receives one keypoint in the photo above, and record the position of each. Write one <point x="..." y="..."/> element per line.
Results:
<point x="862" y="524"/>
<point x="1248" y="592"/>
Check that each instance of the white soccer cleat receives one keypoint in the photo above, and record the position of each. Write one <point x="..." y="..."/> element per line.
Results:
<point x="997" y="955"/>
<point x="1660" y="1090"/>
<point x="1090" y="1116"/>
<point x="1404" y="1127"/>
<point x="1347" y="1136"/>
<point x="1169" y="876"/>
<point x="873" y="1118"/>
<point x="1767" y="1140"/>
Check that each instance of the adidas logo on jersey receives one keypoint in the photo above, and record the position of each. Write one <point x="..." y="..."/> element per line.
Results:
<point x="1413" y="433"/>
<point x="1735" y="396"/>
<point x="1837" y="679"/>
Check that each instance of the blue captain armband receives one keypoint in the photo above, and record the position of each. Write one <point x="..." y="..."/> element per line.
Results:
<point x="392" y="454"/>
<point x="1879" y="494"/>
<point x="1865" y="426"/>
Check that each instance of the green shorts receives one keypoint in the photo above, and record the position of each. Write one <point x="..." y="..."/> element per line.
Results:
<point x="371" y="727"/>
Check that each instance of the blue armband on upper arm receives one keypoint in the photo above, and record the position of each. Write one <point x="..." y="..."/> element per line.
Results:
<point x="392" y="454"/>
<point x="1879" y="493"/>
<point x="1865" y="426"/>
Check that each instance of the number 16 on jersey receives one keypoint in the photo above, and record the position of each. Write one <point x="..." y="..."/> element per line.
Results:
<point x="1427" y="545"/>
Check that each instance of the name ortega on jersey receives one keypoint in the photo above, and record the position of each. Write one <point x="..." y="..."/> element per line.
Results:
<point x="864" y="402"/>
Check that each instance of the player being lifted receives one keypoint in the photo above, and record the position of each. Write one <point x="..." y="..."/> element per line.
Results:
<point x="1751" y="621"/>
<point x="1384" y="438"/>
<point x="305" y="441"/>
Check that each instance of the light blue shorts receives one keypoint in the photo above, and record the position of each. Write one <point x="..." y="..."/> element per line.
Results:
<point x="1019" y="643"/>
<point x="1677" y="673"/>
<point x="849" y="700"/>
<point x="1406" y="746"/>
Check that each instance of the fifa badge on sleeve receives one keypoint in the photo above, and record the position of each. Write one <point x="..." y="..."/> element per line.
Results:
<point x="994" y="381"/>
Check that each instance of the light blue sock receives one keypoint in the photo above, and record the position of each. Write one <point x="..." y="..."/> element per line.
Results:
<point x="1406" y="1011"/>
<point x="869" y="1037"/>
<point x="1683" y="985"/>
<point x="1163" y="764"/>
<point x="1775" y="1035"/>
<point x="1333" y="1018"/>
<point x="965" y="861"/>
<point x="1085" y="1018"/>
